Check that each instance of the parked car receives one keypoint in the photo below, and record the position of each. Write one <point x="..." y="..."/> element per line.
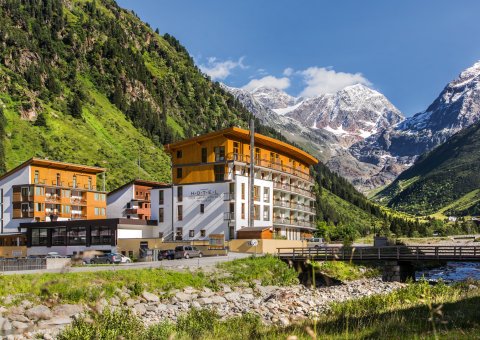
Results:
<point x="106" y="259"/>
<point x="315" y="242"/>
<point x="125" y="259"/>
<point x="186" y="252"/>
<point x="53" y="255"/>
<point x="168" y="254"/>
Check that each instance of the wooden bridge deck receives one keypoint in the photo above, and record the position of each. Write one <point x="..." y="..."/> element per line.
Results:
<point x="399" y="253"/>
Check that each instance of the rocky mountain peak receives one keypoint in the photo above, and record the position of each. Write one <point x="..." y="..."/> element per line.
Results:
<point x="273" y="98"/>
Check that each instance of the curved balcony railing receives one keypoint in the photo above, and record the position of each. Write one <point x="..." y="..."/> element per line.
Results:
<point x="292" y="188"/>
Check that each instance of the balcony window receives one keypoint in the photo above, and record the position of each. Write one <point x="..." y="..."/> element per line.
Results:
<point x="266" y="213"/>
<point x="36" y="177"/>
<point x="219" y="153"/>
<point x="39" y="207"/>
<point x="59" y="236"/>
<point x="59" y="180"/>
<point x="39" y="237"/>
<point x="39" y="191"/>
<point x="89" y="183"/>
<point x="266" y="194"/>
<point x="77" y="236"/>
<point x="66" y="193"/>
<point x="74" y="184"/>
<point x="256" y="193"/>
<point x="179" y="172"/>
<point x="25" y="191"/>
<point x="66" y="209"/>
<point x="256" y="212"/>
<point x="219" y="171"/>
<point x="204" y="155"/>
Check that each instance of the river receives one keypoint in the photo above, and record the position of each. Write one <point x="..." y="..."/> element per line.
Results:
<point x="452" y="272"/>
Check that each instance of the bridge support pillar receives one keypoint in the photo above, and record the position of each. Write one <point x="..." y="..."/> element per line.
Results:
<point x="398" y="271"/>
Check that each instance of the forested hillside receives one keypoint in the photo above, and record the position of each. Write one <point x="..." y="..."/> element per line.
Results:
<point x="445" y="180"/>
<point x="88" y="82"/>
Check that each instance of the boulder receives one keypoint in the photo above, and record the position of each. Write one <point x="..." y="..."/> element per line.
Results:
<point x="183" y="296"/>
<point x="218" y="299"/>
<point x="67" y="310"/>
<point x="140" y="308"/>
<point x="205" y="301"/>
<point x="150" y="297"/>
<point x="232" y="296"/>
<point x="18" y="317"/>
<point x="20" y="325"/>
<point x="5" y="325"/>
<point x="39" y="312"/>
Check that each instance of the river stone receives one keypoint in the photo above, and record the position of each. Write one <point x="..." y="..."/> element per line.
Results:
<point x="39" y="312"/>
<point x="18" y="317"/>
<point x="5" y="325"/>
<point x="183" y="296"/>
<point x="67" y="310"/>
<point x="205" y="301"/>
<point x="232" y="297"/>
<point x="150" y="297"/>
<point x="19" y="325"/>
<point x="218" y="299"/>
<point x="140" y="308"/>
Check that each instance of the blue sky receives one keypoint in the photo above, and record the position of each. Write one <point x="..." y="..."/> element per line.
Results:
<point x="406" y="49"/>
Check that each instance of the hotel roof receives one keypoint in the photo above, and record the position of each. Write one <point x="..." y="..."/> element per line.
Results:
<point x="151" y="184"/>
<point x="273" y="143"/>
<point x="55" y="165"/>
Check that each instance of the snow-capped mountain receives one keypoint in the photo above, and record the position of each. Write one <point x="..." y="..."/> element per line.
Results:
<point x="457" y="107"/>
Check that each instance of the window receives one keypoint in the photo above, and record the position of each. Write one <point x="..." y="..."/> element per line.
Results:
<point x="202" y="208"/>
<point x="160" y="235"/>
<point x="256" y="212"/>
<point x="256" y="193"/>
<point x="59" y="180"/>
<point x="236" y="150"/>
<point x="243" y="210"/>
<point x="77" y="236"/>
<point x="66" y="209"/>
<point x="39" y="207"/>
<point x="59" y="236"/>
<point x="39" y="237"/>
<point x="99" y="197"/>
<point x="243" y="191"/>
<point x="89" y="183"/>
<point x="204" y="155"/>
<point x="203" y="233"/>
<point x="191" y="233"/>
<point x="179" y="172"/>
<point x="266" y="213"/>
<point x="25" y="191"/>
<point x="161" y="199"/>
<point x="180" y="194"/>
<point x="179" y="154"/>
<point x="266" y="194"/>
<point x="219" y="153"/>
<point x="161" y="216"/>
<point x="74" y="181"/>
<point x="101" y="235"/>
<point x="36" y="177"/>
<point x="39" y="191"/>
<point x="219" y="172"/>
<point x="180" y="212"/>
<point x="257" y="154"/>
<point x="99" y="211"/>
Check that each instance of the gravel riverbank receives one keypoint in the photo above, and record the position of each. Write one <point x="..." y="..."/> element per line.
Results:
<point x="275" y="305"/>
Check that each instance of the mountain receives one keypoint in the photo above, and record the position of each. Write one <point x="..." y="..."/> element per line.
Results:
<point x="457" y="107"/>
<point x="89" y="82"/>
<point x="327" y="125"/>
<point x="445" y="180"/>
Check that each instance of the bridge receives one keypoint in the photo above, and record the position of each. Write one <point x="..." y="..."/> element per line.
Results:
<point x="398" y="260"/>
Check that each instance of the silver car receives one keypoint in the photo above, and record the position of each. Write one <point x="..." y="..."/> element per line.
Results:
<point x="186" y="252"/>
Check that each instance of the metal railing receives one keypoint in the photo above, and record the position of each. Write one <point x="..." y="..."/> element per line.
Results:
<point x="292" y="188"/>
<point x="402" y="253"/>
<point x="7" y="265"/>
<point x="293" y="222"/>
<point x="228" y="216"/>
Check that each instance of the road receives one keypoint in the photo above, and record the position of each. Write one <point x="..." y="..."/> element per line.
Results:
<point x="195" y="263"/>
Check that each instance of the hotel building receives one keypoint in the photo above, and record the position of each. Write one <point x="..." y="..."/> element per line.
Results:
<point x="41" y="190"/>
<point x="210" y="190"/>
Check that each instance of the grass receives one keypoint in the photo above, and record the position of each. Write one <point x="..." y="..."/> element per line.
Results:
<point x="90" y="286"/>
<point x="345" y="271"/>
<point x="419" y="311"/>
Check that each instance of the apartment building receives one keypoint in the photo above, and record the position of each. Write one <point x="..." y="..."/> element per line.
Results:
<point x="210" y="190"/>
<point x="132" y="200"/>
<point x="42" y="190"/>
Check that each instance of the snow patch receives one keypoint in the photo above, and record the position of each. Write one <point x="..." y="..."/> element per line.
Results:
<point x="286" y="110"/>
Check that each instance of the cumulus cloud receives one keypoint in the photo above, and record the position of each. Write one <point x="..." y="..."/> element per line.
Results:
<point x="288" y="71"/>
<point x="320" y="80"/>
<point x="219" y="70"/>
<point x="268" y="81"/>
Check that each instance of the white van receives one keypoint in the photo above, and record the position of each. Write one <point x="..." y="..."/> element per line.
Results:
<point x="315" y="242"/>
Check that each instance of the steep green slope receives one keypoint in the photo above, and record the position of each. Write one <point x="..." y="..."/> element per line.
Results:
<point x="444" y="180"/>
<point x="88" y="82"/>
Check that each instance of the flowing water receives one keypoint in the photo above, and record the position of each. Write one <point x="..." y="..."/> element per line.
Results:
<point x="452" y="272"/>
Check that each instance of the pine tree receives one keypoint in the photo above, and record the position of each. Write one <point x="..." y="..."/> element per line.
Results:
<point x="75" y="107"/>
<point x="41" y="120"/>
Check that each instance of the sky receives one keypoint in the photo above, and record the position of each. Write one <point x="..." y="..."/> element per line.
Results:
<point x="406" y="49"/>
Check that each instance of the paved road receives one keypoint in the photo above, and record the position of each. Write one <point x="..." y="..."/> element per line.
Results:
<point x="195" y="263"/>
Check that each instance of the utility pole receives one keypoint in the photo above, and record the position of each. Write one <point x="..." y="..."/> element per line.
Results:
<point x="251" y="218"/>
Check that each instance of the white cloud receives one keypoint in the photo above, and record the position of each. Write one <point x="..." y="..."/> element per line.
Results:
<point x="288" y="71"/>
<point x="320" y="80"/>
<point x="219" y="70"/>
<point x="268" y="81"/>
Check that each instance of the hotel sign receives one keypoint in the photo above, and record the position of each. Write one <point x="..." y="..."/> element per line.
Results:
<point x="204" y="195"/>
